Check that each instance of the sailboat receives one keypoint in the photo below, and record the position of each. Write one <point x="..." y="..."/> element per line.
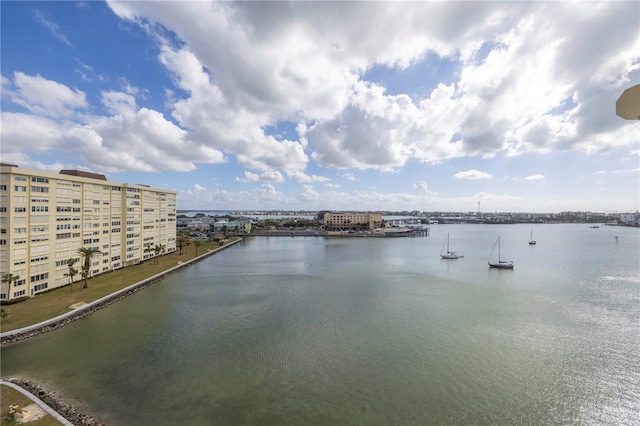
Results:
<point x="531" y="240"/>
<point x="504" y="264"/>
<point x="449" y="254"/>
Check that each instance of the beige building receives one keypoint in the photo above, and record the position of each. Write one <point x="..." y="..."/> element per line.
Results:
<point x="352" y="221"/>
<point x="46" y="217"/>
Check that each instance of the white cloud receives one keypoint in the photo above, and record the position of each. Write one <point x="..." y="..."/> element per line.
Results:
<point x="534" y="177"/>
<point x="350" y="176"/>
<point x="118" y="102"/>
<point x="267" y="176"/>
<point x="51" y="26"/>
<point x="437" y="81"/>
<point x="300" y="176"/>
<point x="423" y="188"/>
<point x="45" y="97"/>
<point x="472" y="174"/>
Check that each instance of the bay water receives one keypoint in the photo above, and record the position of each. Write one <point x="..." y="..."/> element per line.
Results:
<point x="376" y="331"/>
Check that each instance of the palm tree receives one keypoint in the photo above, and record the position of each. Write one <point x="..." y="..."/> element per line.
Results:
<point x="197" y="244"/>
<point x="157" y="249"/>
<point x="87" y="253"/>
<point x="148" y="248"/>
<point x="72" y="272"/>
<point x="181" y="242"/>
<point x="10" y="278"/>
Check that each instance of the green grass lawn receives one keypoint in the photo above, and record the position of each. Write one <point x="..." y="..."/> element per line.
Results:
<point x="56" y="302"/>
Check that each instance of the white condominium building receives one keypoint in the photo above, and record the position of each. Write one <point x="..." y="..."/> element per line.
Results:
<point x="46" y="217"/>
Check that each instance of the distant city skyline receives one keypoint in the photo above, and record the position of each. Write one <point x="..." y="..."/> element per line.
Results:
<point x="380" y="106"/>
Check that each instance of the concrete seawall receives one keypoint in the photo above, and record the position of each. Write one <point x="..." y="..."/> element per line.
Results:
<point x="23" y="333"/>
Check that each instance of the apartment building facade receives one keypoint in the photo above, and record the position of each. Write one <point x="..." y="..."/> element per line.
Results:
<point x="352" y="221"/>
<point x="46" y="217"/>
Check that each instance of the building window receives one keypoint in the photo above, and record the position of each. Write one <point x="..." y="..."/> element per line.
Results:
<point x="20" y="209"/>
<point x="20" y="188"/>
<point x="39" y="277"/>
<point x="19" y="293"/>
<point x="41" y="287"/>
<point x="39" y="179"/>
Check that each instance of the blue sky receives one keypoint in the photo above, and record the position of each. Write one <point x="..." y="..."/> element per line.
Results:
<point x="430" y="106"/>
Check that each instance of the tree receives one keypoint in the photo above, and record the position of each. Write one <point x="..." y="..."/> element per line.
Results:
<point x="181" y="242"/>
<point x="72" y="272"/>
<point x="10" y="278"/>
<point x="157" y="249"/>
<point x="88" y="253"/>
<point x="197" y="244"/>
<point x="148" y="248"/>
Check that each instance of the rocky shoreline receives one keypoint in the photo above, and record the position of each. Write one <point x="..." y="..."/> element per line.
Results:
<point x="66" y="410"/>
<point x="79" y="315"/>
<point x="83" y="312"/>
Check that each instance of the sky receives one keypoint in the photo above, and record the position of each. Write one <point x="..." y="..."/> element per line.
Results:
<point x="428" y="106"/>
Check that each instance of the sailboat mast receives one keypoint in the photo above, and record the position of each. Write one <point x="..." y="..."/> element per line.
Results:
<point x="447" y="242"/>
<point x="498" y="248"/>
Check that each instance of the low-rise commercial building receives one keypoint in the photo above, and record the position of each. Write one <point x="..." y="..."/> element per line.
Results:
<point x="46" y="217"/>
<point x="352" y="221"/>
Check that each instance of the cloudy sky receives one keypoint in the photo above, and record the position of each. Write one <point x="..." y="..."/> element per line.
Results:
<point x="431" y="106"/>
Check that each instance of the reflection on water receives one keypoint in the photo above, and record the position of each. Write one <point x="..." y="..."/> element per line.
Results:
<point x="366" y="331"/>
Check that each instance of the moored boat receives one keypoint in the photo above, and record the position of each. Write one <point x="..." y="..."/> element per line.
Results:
<point x="502" y="264"/>
<point x="449" y="254"/>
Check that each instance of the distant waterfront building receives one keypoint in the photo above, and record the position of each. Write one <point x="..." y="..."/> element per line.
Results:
<point x="352" y="221"/>
<point x="630" y="218"/>
<point x="46" y="217"/>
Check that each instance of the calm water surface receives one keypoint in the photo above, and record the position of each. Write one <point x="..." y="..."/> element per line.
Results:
<point x="281" y="330"/>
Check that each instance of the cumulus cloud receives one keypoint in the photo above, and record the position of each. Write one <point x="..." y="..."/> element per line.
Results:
<point x="44" y="97"/>
<point x="514" y="98"/>
<point x="534" y="177"/>
<point x="486" y="80"/>
<point x="300" y="176"/>
<point x="423" y="188"/>
<point x="472" y="174"/>
<point x="267" y="176"/>
<point x="141" y="140"/>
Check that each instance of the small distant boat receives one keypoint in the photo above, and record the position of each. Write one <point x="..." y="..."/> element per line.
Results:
<point x="595" y="226"/>
<point x="531" y="240"/>
<point x="449" y="254"/>
<point x="503" y="264"/>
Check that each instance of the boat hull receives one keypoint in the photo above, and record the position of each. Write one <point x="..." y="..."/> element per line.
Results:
<point x="501" y="265"/>
<point x="451" y="256"/>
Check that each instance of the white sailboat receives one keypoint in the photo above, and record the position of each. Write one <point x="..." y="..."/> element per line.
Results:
<point x="504" y="264"/>
<point x="531" y="240"/>
<point x="449" y="254"/>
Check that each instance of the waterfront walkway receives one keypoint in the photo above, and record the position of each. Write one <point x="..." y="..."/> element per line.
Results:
<point x="32" y="412"/>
